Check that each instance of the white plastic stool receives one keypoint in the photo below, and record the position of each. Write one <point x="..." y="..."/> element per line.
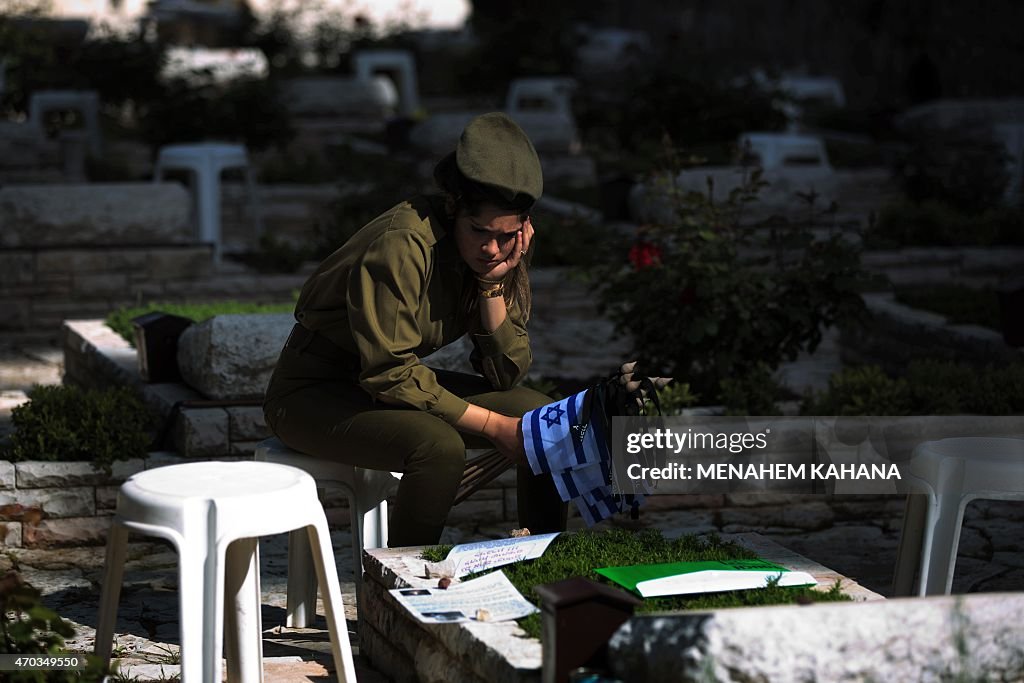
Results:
<point x="367" y="492"/>
<point x="206" y="161"/>
<point x="213" y="513"/>
<point x="952" y="473"/>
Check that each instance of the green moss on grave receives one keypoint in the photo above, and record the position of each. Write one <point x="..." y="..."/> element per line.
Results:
<point x="578" y="554"/>
<point x="120" y="321"/>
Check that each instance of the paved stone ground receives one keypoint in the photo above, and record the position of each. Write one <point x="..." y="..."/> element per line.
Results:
<point x="854" y="535"/>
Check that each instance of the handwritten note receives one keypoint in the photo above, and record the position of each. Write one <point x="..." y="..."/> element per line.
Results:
<point x="476" y="557"/>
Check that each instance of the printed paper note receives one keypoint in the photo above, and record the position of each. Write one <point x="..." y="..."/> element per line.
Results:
<point x="494" y="594"/>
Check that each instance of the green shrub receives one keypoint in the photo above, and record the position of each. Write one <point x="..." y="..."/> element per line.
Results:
<point x="929" y="387"/>
<point x="754" y="393"/>
<point x="120" y="321"/>
<point x="676" y="396"/>
<point x="67" y="423"/>
<point x="249" y="111"/>
<point x="29" y="628"/>
<point x="568" y="240"/>
<point x="578" y="554"/>
<point x="276" y="255"/>
<point x="963" y="167"/>
<point x="936" y="223"/>
<point x="707" y="297"/>
<point x="863" y="390"/>
<point x="961" y="305"/>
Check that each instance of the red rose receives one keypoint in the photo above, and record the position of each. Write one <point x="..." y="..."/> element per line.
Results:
<point x="644" y="255"/>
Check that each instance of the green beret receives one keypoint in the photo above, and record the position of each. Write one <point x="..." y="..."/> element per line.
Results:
<point x="494" y="151"/>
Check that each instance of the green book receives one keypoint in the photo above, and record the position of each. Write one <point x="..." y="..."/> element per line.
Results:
<point x="683" y="578"/>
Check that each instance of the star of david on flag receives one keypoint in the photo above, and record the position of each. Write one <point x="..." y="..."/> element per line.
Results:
<point x="571" y="443"/>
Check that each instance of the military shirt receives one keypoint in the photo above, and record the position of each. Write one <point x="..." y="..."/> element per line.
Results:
<point x="393" y="293"/>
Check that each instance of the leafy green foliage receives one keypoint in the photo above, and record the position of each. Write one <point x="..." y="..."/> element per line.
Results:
<point x="708" y="297"/>
<point x="29" y="628"/>
<point x="961" y="305"/>
<point x="245" y="110"/>
<point x="67" y="423"/>
<point x="754" y="393"/>
<point x="929" y="388"/>
<point x="864" y="390"/>
<point x="539" y="31"/>
<point x="936" y="223"/>
<point x="962" y="167"/>
<point x="676" y="396"/>
<point x="570" y="241"/>
<point x="578" y="554"/>
<point x="120" y="321"/>
<point x="275" y="255"/>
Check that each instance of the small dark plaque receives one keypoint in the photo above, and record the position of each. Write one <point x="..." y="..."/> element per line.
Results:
<point x="156" y="340"/>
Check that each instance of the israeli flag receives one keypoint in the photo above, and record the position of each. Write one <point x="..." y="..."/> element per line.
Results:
<point x="576" y="455"/>
<point x="556" y="440"/>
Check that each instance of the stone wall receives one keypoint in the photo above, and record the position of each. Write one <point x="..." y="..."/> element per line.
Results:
<point x="96" y="214"/>
<point x="61" y="504"/>
<point x="85" y="249"/>
<point x="128" y="244"/>
<point x="41" y="286"/>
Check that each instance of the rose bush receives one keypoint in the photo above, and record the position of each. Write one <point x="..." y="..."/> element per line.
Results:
<point x="709" y="297"/>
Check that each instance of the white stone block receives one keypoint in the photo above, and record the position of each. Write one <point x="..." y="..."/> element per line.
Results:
<point x="246" y="423"/>
<point x="900" y="640"/>
<point x="10" y="534"/>
<point x="334" y="96"/>
<point x="67" y="532"/>
<point x="56" y="502"/>
<point x="232" y="356"/>
<point x="34" y="474"/>
<point x="202" y="432"/>
<point x="8" y="474"/>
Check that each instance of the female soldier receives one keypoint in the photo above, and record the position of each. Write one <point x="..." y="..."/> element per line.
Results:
<point x="349" y="384"/>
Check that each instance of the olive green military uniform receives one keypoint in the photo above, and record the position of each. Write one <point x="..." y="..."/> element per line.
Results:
<point x="391" y="295"/>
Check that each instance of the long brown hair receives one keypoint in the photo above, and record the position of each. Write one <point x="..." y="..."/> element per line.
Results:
<point x="464" y="196"/>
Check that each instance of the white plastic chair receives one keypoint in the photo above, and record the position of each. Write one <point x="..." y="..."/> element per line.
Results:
<point x="213" y="513"/>
<point x="952" y="473"/>
<point x="367" y="492"/>
<point x="207" y="160"/>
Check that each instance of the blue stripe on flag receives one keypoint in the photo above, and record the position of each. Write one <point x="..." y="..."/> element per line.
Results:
<point x="570" y="484"/>
<point x="538" y="444"/>
<point x="604" y="499"/>
<point x="596" y="422"/>
<point x="581" y="457"/>
<point x="587" y="512"/>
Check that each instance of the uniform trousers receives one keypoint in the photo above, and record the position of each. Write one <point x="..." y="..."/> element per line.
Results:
<point x="336" y="419"/>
